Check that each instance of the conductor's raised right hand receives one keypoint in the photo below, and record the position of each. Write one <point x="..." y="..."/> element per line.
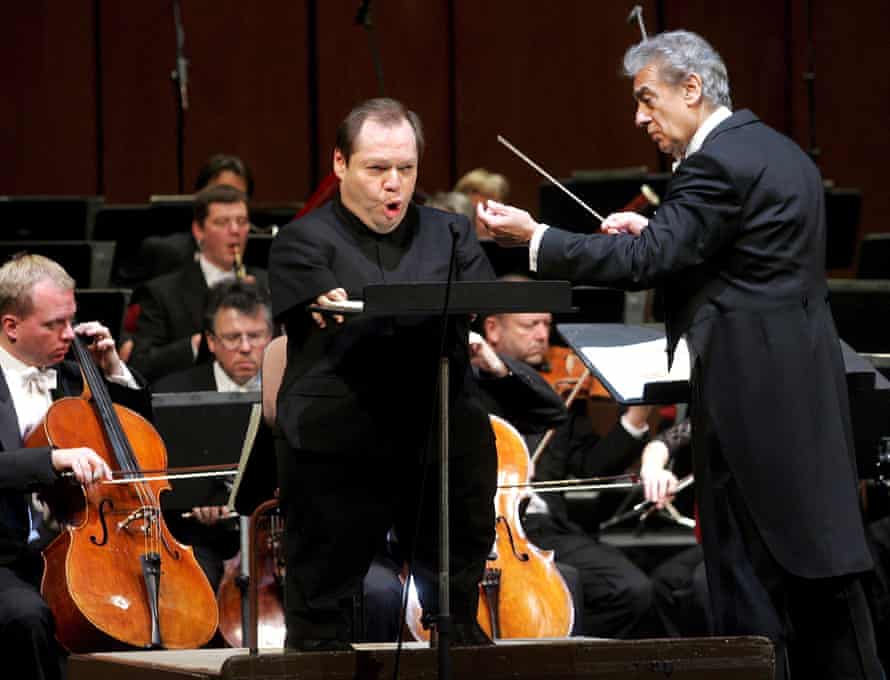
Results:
<point x="325" y="300"/>
<point x="85" y="464"/>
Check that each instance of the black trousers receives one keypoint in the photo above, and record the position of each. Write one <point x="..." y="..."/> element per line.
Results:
<point x="338" y="510"/>
<point x="27" y="633"/>
<point x="681" y="595"/>
<point x="821" y="627"/>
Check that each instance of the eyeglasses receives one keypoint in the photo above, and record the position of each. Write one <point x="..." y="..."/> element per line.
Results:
<point x="223" y="222"/>
<point x="233" y="341"/>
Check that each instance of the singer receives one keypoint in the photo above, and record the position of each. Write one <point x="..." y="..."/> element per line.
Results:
<point x="357" y="399"/>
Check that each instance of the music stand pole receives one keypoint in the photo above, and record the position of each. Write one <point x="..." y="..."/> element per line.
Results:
<point x="443" y="620"/>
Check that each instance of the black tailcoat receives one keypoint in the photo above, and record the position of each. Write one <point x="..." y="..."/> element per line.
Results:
<point x="739" y="247"/>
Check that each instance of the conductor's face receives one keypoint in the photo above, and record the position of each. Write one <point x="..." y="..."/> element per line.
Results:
<point x="669" y="113"/>
<point x="377" y="182"/>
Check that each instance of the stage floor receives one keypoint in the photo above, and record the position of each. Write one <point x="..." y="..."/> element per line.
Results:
<point x="742" y="658"/>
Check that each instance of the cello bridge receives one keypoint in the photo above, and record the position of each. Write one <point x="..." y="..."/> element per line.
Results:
<point x="147" y="514"/>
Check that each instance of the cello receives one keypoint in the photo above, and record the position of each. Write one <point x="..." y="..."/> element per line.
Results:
<point x="522" y="594"/>
<point x="115" y="576"/>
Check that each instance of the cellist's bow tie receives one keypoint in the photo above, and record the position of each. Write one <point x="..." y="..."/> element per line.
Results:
<point x="39" y="380"/>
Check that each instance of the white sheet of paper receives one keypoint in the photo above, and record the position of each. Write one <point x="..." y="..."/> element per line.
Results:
<point x="629" y="367"/>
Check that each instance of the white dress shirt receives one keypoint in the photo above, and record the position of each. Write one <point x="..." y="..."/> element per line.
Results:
<point x="212" y="273"/>
<point x="225" y="384"/>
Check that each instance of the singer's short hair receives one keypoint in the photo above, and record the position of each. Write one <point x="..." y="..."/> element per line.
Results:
<point x="382" y="110"/>
<point x="218" y="193"/>
<point x="677" y="55"/>
<point x="20" y="274"/>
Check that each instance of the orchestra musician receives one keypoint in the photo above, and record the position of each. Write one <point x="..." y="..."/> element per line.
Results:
<point x="169" y="328"/>
<point x="617" y="596"/>
<point x="237" y="327"/>
<point x="37" y="310"/>
<point x="738" y="245"/>
<point x="356" y="418"/>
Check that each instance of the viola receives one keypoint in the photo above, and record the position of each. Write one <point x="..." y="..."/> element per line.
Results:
<point x="563" y="369"/>
<point x="522" y="594"/>
<point x="116" y="575"/>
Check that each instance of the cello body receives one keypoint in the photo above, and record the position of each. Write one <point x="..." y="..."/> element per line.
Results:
<point x="522" y="594"/>
<point x="100" y="571"/>
<point x="268" y="577"/>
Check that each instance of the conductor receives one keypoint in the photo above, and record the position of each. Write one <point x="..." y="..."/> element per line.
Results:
<point x="738" y="246"/>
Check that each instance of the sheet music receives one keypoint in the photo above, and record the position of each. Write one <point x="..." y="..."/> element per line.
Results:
<point x="628" y="368"/>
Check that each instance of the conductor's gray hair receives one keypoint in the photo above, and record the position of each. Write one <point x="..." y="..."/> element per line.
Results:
<point x="677" y="55"/>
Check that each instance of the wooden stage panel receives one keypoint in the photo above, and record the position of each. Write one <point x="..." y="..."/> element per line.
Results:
<point x="741" y="658"/>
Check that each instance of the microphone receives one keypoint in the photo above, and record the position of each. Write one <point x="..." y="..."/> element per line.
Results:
<point x="180" y="75"/>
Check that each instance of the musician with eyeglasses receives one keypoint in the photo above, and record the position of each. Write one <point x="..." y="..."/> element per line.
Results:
<point x="237" y="328"/>
<point x="168" y="335"/>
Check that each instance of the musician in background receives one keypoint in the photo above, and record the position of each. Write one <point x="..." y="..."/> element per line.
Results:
<point x="739" y="246"/>
<point x="617" y="595"/>
<point x="237" y="327"/>
<point x="37" y="310"/>
<point x="169" y="328"/>
<point x="160" y="254"/>
<point x="480" y="185"/>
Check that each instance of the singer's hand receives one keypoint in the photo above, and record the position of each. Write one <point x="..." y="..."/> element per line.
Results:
<point x="624" y="223"/>
<point x="325" y="300"/>
<point x="508" y="226"/>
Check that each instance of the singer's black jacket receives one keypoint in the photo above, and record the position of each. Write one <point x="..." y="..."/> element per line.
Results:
<point x="354" y="388"/>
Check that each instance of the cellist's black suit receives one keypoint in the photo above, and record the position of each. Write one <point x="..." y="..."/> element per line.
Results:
<point x="356" y="406"/>
<point x="739" y="248"/>
<point x="26" y="623"/>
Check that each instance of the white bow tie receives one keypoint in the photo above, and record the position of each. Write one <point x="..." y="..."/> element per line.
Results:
<point x="39" y="380"/>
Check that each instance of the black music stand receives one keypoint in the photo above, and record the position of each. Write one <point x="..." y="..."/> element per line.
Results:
<point x="464" y="297"/>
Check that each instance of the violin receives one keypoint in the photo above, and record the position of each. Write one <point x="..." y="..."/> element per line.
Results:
<point x="116" y="575"/>
<point x="522" y="594"/>
<point x="563" y="369"/>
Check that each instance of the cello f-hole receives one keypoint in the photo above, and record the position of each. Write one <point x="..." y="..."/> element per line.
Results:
<point x="522" y="557"/>
<point x="104" y="539"/>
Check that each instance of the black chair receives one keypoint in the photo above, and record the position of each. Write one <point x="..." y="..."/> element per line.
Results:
<point x="842" y="211"/>
<point x="106" y="305"/>
<point x="874" y="257"/>
<point x="129" y="225"/>
<point x="861" y="309"/>
<point x="47" y="218"/>
<point x="87" y="262"/>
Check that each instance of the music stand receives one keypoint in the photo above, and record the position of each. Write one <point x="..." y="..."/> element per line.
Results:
<point x="464" y="297"/>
